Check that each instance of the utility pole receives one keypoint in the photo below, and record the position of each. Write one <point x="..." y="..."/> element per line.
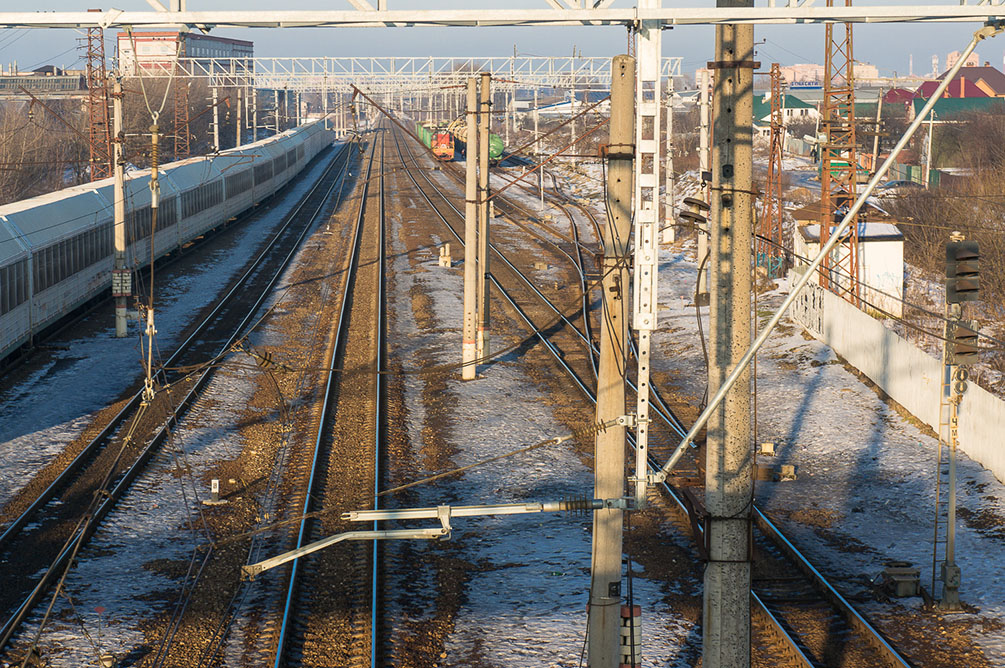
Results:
<point x="216" y="122"/>
<point x="469" y="351"/>
<point x="484" y="126"/>
<point x="928" y="149"/>
<point x="728" y="465"/>
<point x="604" y="618"/>
<point x="875" y="136"/>
<point x="121" y="277"/>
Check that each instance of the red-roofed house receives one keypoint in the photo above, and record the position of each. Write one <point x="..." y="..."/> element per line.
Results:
<point x="958" y="87"/>
<point x="987" y="78"/>
<point x="898" y="95"/>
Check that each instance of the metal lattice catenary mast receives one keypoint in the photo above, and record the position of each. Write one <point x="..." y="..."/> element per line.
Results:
<point x="839" y="166"/>
<point x="770" y="229"/>
<point x="99" y="122"/>
<point x="182" y="136"/>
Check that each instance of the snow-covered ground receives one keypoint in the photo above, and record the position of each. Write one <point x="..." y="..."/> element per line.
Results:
<point x="83" y="373"/>
<point x="865" y="468"/>
<point x="525" y="602"/>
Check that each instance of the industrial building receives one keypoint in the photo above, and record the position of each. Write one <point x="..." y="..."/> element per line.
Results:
<point x="158" y="50"/>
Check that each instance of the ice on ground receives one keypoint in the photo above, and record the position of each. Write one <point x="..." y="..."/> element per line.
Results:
<point x="864" y="492"/>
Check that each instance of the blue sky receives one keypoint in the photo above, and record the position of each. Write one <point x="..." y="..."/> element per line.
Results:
<point x="886" y="46"/>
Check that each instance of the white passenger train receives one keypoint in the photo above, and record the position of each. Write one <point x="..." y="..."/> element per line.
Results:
<point x="56" y="249"/>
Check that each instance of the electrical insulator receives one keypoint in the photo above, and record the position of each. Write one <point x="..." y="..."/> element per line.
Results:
<point x="963" y="344"/>
<point x="962" y="279"/>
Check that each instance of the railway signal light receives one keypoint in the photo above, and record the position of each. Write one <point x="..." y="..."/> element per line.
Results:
<point x="962" y="279"/>
<point x="962" y="346"/>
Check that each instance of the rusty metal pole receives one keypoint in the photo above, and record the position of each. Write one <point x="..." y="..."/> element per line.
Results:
<point x="469" y="352"/>
<point x="605" y="592"/>
<point x="484" y="126"/>
<point x="728" y="460"/>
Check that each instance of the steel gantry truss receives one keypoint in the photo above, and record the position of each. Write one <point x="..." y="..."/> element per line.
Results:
<point x="382" y="74"/>
<point x="572" y="13"/>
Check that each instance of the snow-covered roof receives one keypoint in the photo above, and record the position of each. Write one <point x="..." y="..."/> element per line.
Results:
<point x="866" y="232"/>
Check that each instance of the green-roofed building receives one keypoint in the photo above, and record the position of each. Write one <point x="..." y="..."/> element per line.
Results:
<point x="794" y="110"/>
<point x="948" y="107"/>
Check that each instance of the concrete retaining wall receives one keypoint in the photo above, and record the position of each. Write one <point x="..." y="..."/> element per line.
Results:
<point x="910" y="376"/>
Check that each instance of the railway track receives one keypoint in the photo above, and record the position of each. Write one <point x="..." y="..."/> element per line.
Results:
<point x="812" y="623"/>
<point x="331" y="609"/>
<point x="54" y="527"/>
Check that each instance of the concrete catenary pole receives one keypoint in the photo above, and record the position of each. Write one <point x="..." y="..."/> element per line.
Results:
<point x="537" y="150"/>
<point x="669" y="217"/>
<point x="237" y="125"/>
<point x="484" y="128"/>
<point x="216" y="122"/>
<point x="605" y="593"/>
<point x="469" y="352"/>
<point x="254" y="114"/>
<point x="728" y="463"/>
<point x="704" y="163"/>
<point x="121" y="277"/>
<point x="275" y="106"/>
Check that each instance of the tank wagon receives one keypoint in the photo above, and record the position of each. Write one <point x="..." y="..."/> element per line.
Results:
<point x="444" y="143"/>
<point x="56" y="249"/>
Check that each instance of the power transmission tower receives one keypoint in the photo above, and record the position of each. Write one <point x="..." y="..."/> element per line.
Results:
<point x="182" y="145"/>
<point x="99" y="123"/>
<point x="839" y="166"/>
<point x="770" y="242"/>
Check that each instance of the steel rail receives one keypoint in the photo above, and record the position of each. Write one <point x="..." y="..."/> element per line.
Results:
<point x="841" y="604"/>
<point x="659" y="408"/>
<point x="341" y="328"/>
<point x="220" y="633"/>
<point x="379" y="398"/>
<point x="126" y="478"/>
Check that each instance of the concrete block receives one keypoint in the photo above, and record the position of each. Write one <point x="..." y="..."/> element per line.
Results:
<point x="768" y="449"/>
<point x="445" y="260"/>
<point x="787" y="472"/>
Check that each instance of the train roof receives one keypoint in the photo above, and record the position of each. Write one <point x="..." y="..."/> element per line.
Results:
<point x="40" y="220"/>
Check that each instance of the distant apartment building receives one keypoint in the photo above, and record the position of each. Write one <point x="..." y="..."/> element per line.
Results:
<point x="973" y="61"/>
<point x="811" y="73"/>
<point x="808" y="73"/>
<point x="158" y="50"/>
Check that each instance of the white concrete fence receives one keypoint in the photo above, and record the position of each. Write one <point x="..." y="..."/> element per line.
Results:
<point x="908" y="375"/>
